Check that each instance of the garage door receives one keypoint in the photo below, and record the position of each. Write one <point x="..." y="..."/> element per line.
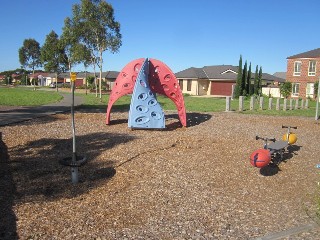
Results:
<point x="78" y="82"/>
<point x="221" y="88"/>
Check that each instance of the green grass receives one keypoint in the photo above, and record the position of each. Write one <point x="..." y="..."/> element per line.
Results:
<point x="27" y="97"/>
<point x="203" y="104"/>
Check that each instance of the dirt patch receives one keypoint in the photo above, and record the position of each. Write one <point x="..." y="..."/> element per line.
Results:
<point x="179" y="183"/>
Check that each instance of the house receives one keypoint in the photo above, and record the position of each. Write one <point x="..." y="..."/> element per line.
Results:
<point x="45" y="78"/>
<point x="216" y="80"/>
<point x="2" y="78"/>
<point x="108" y="77"/>
<point x="281" y="75"/>
<point x="302" y="73"/>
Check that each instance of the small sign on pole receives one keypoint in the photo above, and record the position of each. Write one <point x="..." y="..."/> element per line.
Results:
<point x="73" y="76"/>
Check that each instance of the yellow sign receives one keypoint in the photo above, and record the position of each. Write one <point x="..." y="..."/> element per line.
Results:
<point x="73" y="76"/>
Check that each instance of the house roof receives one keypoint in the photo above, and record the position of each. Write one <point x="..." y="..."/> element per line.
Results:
<point x="192" y="73"/>
<point x="282" y="75"/>
<point x="210" y="72"/>
<point x="220" y="72"/>
<point x="315" y="53"/>
<point x="111" y="74"/>
<point x="269" y="77"/>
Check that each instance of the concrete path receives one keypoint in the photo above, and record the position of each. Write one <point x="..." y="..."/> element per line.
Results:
<point x="19" y="114"/>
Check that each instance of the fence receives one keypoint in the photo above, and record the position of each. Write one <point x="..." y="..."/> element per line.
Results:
<point x="259" y="103"/>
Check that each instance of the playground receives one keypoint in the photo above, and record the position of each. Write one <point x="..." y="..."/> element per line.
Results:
<point x="177" y="183"/>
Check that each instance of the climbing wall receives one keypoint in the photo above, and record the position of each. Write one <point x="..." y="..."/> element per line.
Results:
<point x="145" y="111"/>
<point x="161" y="80"/>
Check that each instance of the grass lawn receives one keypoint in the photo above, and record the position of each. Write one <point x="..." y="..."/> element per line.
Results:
<point x="203" y="104"/>
<point x="27" y="97"/>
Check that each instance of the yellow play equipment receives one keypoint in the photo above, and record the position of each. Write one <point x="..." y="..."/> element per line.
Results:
<point x="289" y="137"/>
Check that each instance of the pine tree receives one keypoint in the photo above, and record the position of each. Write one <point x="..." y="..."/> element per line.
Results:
<point x="249" y="86"/>
<point x="256" y="83"/>
<point x="244" y="80"/>
<point x="260" y="80"/>
<point x="238" y="88"/>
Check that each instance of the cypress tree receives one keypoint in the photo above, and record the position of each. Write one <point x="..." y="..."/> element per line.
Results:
<point x="244" y="80"/>
<point x="260" y="80"/>
<point x="256" y="83"/>
<point x="249" y="86"/>
<point x="238" y="88"/>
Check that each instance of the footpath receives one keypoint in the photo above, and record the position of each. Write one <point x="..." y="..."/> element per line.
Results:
<point x="13" y="115"/>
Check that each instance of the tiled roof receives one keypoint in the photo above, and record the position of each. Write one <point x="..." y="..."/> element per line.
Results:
<point x="315" y="53"/>
<point x="269" y="77"/>
<point x="192" y="73"/>
<point x="219" y="72"/>
<point x="112" y="74"/>
<point x="210" y="72"/>
<point x="281" y="75"/>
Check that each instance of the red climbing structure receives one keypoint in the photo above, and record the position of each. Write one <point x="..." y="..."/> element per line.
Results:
<point x="161" y="80"/>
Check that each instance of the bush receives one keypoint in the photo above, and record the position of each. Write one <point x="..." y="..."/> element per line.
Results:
<point x="285" y="89"/>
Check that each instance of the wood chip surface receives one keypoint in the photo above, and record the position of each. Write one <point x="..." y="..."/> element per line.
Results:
<point x="178" y="183"/>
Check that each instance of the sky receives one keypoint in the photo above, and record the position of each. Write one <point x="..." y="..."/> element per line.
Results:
<point x="180" y="33"/>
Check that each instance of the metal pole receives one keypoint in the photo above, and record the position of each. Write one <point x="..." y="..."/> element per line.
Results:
<point x="317" y="106"/>
<point x="74" y="170"/>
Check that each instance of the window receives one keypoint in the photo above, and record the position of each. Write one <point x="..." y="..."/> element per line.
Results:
<point x="295" y="89"/>
<point x="297" y="68"/>
<point x="181" y="84"/>
<point x="189" y="83"/>
<point x="312" y="68"/>
<point x="310" y="90"/>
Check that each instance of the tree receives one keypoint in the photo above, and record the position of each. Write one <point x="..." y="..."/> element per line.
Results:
<point x="244" y="80"/>
<point x="30" y="54"/>
<point x="100" y="31"/>
<point x="53" y="55"/>
<point x="249" y="85"/>
<point x="285" y="89"/>
<point x="76" y="52"/>
<point x="316" y="85"/>
<point x="259" y="80"/>
<point x="256" y="82"/>
<point x="238" y="87"/>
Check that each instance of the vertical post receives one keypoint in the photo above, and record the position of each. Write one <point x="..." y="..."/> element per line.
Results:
<point x="252" y="103"/>
<point x="297" y="104"/>
<point x="302" y="104"/>
<point x="317" y="105"/>
<point x="241" y="103"/>
<point x="270" y="103"/>
<point x="233" y="88"/>
<point x="228" y="104"/>
<point x="278" y="104"/>
<point x="261" y="103"/>
<point x="291" y="104"/>
<point x="307" y="104"/>
<point x="74" y="170"/>
<point x="285" y="104"/>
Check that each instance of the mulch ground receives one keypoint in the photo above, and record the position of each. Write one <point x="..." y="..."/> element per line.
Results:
<point x="178" y="183"/>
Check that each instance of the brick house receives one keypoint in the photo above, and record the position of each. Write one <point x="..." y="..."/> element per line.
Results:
<point x="302" y="73"/>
